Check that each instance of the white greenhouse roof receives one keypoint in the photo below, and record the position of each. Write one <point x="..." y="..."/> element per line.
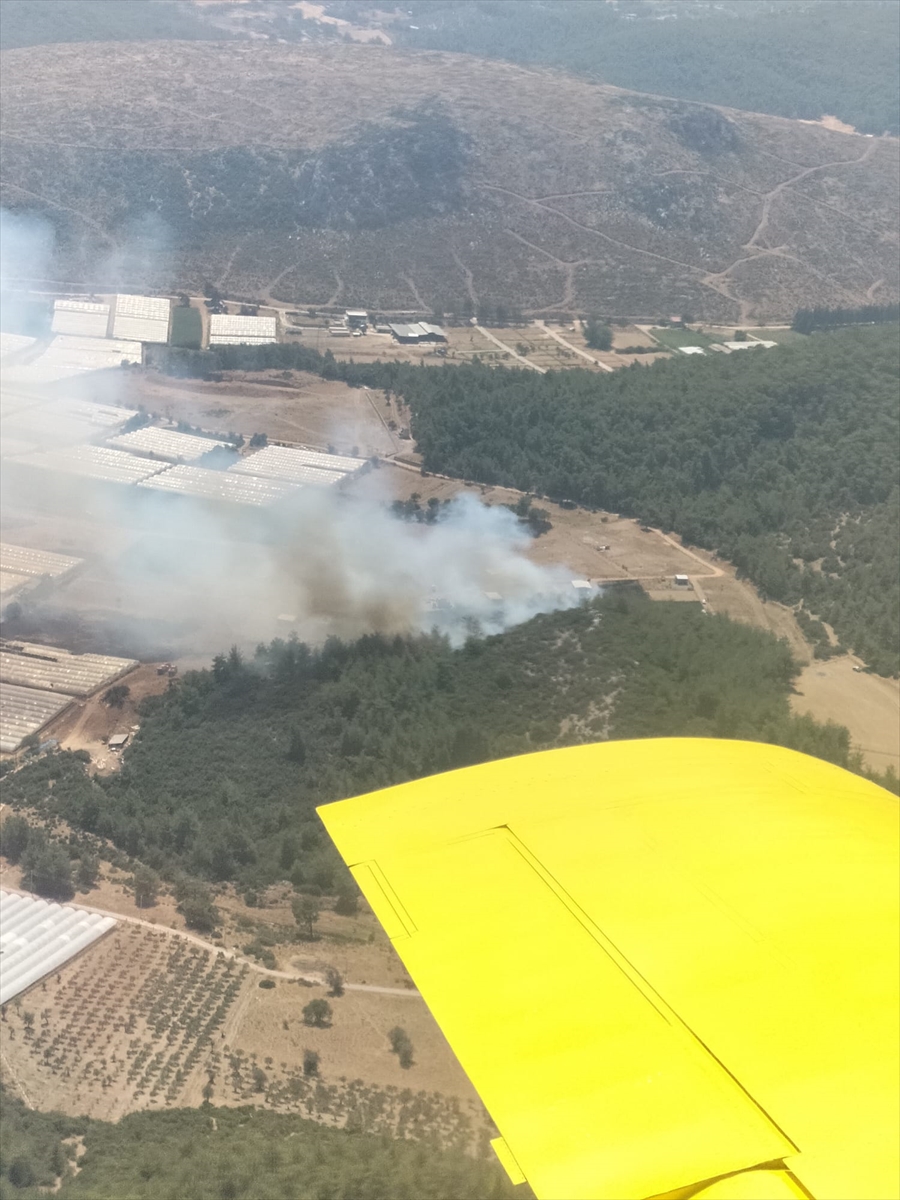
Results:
<point x="66" y="421"/>
<point x="66" y="357"/>
<point x="283" y="462"/>
<point x="30" y="665"/>
<point x="37" y="937"/>
<point x="141" y="318"/>
<point x="12" y="447"/>
<point x="95" y="462"/>
<point x="25" y="561"/>
<point x="227" y="329"/>
<point x="11" y="342"/>
<point x="166" y="443"/>
<point x="220" y="485"/>
<point x="692" y="350"/>
<point x="10" y="583"/>
<point x="82" y="318"/>
<point x="24" y="711"/>
<point x="341" y="463"/>
<point x="105" y="416"/>
<point x="749" y="344"/>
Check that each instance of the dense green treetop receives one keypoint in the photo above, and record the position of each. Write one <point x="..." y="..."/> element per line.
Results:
<point x="785" y="461"/>
<point x="214" y="783"/>
<point x="793" y="59"/>
<point x="235" y="1153"/>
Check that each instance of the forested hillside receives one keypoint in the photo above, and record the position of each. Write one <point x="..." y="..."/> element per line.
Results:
<point x="794" y="58"/>
<point x="229" y="764"/>
<point x="229" y="1154"/>
<point x="786" y="462"/>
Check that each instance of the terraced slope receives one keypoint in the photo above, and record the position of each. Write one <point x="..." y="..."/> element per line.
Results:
<point x="402" y="180"/>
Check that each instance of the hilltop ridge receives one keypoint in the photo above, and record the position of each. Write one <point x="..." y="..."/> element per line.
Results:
<point x="349" y="174"/>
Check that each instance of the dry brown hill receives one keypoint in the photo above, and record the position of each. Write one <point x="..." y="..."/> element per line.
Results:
<point x="355" y="174"/>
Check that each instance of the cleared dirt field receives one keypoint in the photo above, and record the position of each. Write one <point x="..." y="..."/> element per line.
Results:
<point x="867" y="704"/>
<point x="90" y="723"/>
<point x="300" y="408"/>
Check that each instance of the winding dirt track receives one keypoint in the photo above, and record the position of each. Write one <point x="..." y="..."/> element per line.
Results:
<point x="212" y="948"/>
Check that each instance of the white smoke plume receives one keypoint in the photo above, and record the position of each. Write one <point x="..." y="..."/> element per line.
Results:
<point x="188" y="577"/>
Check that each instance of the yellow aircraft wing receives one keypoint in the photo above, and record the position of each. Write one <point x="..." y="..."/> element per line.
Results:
<point x="670" y="968"/>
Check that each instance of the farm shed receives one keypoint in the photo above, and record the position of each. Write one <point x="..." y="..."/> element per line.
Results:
<point x="226" y="329"/>
<point x="118" y="741"/>
<point x="419" y="331"/>
<point x="37" y="937"/>
<point x="682" y="581"/>
<point x="356" y="318"/>
<point x="284" y="462"/>
<point x="29" y="665"/>
<point x="141" y="318"/>
<point x="220" y="485"/>
<point x="431" y="333"/>
<point x="81" y="318"/>
<point x="23" y="560"/>
<point x="166" y="443"/>
<point x="406" y="334"/>
<point x="24" y="711"/>
<point x="748" y="345"/>
<point x="94" y="462"/>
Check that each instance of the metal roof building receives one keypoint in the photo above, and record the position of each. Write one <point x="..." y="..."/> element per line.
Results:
<point x="29" y="665"/>
<point x="24" y="711"/>
<point x="227" y="329"/>
<point x="37" y="937"/>
<point x="82" y="318"/>
<point x="297" y="466"/>
<point x="141" y="318"/>
<point x="166" y="443"/>
<point x="220" y="485"/>
<point x="95" y="462"/>
<point x="419" y="331"/>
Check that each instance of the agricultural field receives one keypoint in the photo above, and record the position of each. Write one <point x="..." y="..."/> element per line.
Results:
<point x="674" y="338"/>
<point x="148" y="1020"/>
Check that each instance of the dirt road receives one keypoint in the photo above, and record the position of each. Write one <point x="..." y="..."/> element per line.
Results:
<point x="509" y="350"/>
<point x="568" y="345"/>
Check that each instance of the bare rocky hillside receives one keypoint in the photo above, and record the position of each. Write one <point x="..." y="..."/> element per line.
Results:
<point x="356" y="174"/>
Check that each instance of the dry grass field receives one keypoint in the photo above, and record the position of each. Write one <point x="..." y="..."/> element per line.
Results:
<point x="556" y="194"/>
